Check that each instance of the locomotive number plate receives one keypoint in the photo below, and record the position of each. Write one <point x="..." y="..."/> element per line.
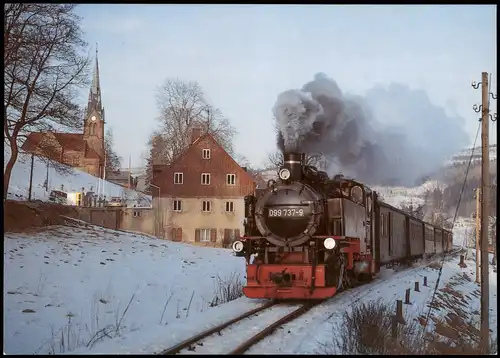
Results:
<point x="285" y="212"/>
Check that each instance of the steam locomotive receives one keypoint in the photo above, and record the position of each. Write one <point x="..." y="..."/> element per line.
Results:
<point x="308" y="236"/>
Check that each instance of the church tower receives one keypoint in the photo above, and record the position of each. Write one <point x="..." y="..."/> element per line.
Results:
<point x="93" y="132"/>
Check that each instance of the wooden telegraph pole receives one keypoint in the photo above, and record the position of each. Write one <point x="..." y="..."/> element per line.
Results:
<point x="485" y="214"/>
<point x="484" y="109"/>
<point x="478" y="232"/>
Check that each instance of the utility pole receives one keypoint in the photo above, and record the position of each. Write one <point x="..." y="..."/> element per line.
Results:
<point x="31" y="175"/>
<point x="129" y="170"/>
<point x="478" y="233"/>
<point x="484" y="109"/>
<point x="494" y="242"/>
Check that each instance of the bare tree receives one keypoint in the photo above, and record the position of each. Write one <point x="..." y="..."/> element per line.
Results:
<point x="183" y="105"/>
<point x="276" y="159"/>
<point x="113" y="160"/>
<point x="243" y="161"/>
<point x="416" y="210"/>
<point x="43" y="66"/>
<point x="157" y="154"/>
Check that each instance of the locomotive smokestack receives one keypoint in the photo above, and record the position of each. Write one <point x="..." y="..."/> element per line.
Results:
<point x="294" y="161"/>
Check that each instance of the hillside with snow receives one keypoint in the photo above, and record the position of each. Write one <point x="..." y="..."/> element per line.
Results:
<point x="75" y="181"/>
<point x="462" y="157"/>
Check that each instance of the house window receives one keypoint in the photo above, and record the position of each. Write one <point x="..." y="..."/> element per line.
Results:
<point x="177" y="205"/>
<point x="205" y="153"/>
<point x="230" y="179"/>
<point x="229" y="206"/>
<point x="205" y="235"/>
<point x="206" y="206"/>
<point x="205" y="179"/>
<point x="137" y="214"/>
<point x="178" y="178"/>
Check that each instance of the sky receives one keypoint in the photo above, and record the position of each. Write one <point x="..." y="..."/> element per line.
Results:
<point x="244" y="56"/>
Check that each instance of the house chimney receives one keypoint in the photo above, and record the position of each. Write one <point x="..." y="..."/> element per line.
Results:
<point x="195" y="134"/>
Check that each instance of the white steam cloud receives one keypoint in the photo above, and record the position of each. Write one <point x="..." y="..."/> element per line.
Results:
<point x="412" y="140"/>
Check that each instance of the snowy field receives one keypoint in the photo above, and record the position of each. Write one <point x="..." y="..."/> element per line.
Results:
<point x="75" y="282"/>
<point x="73" y="182"/>
<point x="93" y="290"/>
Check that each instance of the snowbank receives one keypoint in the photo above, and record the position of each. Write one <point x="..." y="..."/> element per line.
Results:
<point x="74" y="282"/>
<point x="73" y="182"/>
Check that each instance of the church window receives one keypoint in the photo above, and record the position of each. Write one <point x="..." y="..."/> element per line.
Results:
<point x="92" y="129"/>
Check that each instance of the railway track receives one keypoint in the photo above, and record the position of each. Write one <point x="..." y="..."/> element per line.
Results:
<point x="200" y="340"/>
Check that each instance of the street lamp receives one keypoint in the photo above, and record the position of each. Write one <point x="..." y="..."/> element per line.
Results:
<point x="157" y="211"/>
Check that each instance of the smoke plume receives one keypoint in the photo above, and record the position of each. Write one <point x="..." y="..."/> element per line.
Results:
<point x="393" y="136"/>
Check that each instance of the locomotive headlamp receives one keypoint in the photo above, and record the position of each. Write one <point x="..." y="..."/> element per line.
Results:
<point x="238" y="246"/>
<point x="284" y="174"/>
<point x="329" y="243"/>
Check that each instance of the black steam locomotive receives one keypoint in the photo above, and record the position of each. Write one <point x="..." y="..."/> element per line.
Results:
<point x="324" y="233"/>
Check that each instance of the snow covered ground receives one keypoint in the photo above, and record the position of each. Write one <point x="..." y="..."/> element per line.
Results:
<point x="315" y="332"/>
<point x="74" y="282"/>
<point x="102" y="291"/>
<point x="73" y="182"/>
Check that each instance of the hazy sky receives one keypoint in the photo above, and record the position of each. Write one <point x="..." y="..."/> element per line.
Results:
<point x="245" y="55"/>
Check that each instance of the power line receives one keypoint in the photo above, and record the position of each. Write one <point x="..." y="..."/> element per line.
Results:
<point x="453" y="224"/>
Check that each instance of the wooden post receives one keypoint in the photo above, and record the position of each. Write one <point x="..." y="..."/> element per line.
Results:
<point x="478" y="232"/>
<point x="394" y="327"/>
<point x="485" y="214"/>
<point x="399" y="312"/>
<point x="425" y="281"/>
<point x="407" y="297"/>
<point x="31" y="176"/>
<point x="462" y="262"/>
<point x="417" y="288"/>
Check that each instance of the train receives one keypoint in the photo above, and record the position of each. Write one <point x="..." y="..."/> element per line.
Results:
<point x="309" y="236"/>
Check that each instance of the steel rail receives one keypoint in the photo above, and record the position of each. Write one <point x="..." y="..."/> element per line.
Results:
<point x="269" y="329"/>
<point x="188" y="342"/>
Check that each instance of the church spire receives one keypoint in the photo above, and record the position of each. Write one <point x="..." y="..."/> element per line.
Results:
<point x="95" y="102"/>
<point x="96" y="88"/>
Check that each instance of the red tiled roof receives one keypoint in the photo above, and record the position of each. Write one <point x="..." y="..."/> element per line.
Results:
<point x="33" y="142"/>
<point x="69" y="141"/>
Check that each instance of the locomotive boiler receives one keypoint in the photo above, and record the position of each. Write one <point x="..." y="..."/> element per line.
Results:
<point x="307" y="236"/>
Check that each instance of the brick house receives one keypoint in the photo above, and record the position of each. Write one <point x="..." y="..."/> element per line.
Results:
<point x="201" y="194"/>
<point x="84" y="151"/>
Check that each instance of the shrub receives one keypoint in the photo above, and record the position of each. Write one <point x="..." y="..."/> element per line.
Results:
<point x="227" y="289"/>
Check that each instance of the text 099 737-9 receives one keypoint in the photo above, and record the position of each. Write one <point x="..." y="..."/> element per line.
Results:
<point x="285" y="212"/>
